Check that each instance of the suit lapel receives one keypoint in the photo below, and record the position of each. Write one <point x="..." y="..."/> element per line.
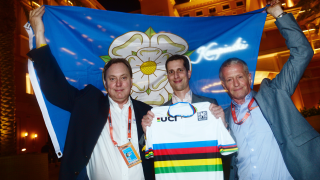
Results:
<point x="138" y="117"/>
<point x="195" y="98"/>
<point x="228" y="116"/>
<point x="168" y="103"/>
<point x="254" y="93"/>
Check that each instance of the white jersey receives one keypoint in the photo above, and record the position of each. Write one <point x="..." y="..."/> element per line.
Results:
<point x="187" y="147"/>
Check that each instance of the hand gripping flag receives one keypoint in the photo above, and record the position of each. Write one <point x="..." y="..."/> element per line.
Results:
<point x="83" y="40"/>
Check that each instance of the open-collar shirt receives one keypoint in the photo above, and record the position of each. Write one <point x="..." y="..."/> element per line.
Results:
<point x="106" y="161"/>
<point x="187" y="98"/>
<point x="259" y="156"/>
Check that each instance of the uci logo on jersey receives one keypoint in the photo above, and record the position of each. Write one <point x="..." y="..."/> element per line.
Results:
<point x="165" y="119"/>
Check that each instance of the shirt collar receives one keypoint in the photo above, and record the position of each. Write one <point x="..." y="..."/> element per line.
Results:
<point x="187" y="98"/>
<point x="247" y="100"/>
<point x="116" y="105"/>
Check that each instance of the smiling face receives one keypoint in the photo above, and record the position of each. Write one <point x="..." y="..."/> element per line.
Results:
<point x="178" y="76"/>
<point x="118" y="83"/>
<point x="236" y="81"/>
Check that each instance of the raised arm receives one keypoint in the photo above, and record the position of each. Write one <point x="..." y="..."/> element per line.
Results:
<point x="53" y="83"/>
<point x="35" y="19"/>
<point x="300" y="50"/>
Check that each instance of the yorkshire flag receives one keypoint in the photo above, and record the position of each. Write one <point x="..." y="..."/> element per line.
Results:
<point x="83" y="40"/>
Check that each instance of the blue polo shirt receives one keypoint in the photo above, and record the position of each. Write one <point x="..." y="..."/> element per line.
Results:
<point x="259" y="156"/>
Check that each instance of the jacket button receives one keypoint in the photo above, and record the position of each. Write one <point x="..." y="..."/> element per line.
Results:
<point x="86" y="156"/>
<point x="76" y="173"/>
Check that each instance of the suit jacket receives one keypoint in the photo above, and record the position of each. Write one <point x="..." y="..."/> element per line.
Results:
<point x="195" y="99"/>
<point x="299" y="143"/>
<point x="89" y="109"/>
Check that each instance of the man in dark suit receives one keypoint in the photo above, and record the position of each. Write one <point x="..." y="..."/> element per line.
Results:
<point x="91" y="147"/>
<point x="274" y="140"/>
<point x="179" y="74"/>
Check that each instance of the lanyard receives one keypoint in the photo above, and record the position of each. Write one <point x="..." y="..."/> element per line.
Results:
<point x="111" y="127"/>
<point x="245" y="116"/>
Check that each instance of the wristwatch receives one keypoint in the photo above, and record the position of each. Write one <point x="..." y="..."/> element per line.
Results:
<point x="280" y="15"/>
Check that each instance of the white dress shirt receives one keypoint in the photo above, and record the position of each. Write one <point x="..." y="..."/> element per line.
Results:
<point x="187" y="98"/>
<point x="106" y="161"/>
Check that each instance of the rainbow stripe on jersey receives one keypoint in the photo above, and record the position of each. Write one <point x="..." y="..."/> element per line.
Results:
<point x="198" y="156"/>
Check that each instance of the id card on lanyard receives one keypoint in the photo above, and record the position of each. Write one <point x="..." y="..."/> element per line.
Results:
<point x="127" y="151"/>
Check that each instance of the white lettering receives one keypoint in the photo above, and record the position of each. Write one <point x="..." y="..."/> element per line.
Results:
<point x="209" y="53"/>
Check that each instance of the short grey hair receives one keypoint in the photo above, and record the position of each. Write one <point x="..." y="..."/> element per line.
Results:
<point x="230" y="62"/>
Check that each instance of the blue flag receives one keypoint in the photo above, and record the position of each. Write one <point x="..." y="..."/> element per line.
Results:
<point x="83" y="40"/>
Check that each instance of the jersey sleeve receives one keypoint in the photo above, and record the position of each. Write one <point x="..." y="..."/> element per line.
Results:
<point x="149" y="143"/>
<point x="226" y="144"/>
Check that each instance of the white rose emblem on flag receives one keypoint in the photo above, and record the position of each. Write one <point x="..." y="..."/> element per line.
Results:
<point x="147" y="53"/>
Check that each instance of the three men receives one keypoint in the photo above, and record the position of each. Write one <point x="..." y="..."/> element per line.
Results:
<point x="274" y="140"/>
<point x="100" y="127"/>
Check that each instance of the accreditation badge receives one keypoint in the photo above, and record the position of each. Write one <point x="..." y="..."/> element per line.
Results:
<point x="129" y="154"/>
